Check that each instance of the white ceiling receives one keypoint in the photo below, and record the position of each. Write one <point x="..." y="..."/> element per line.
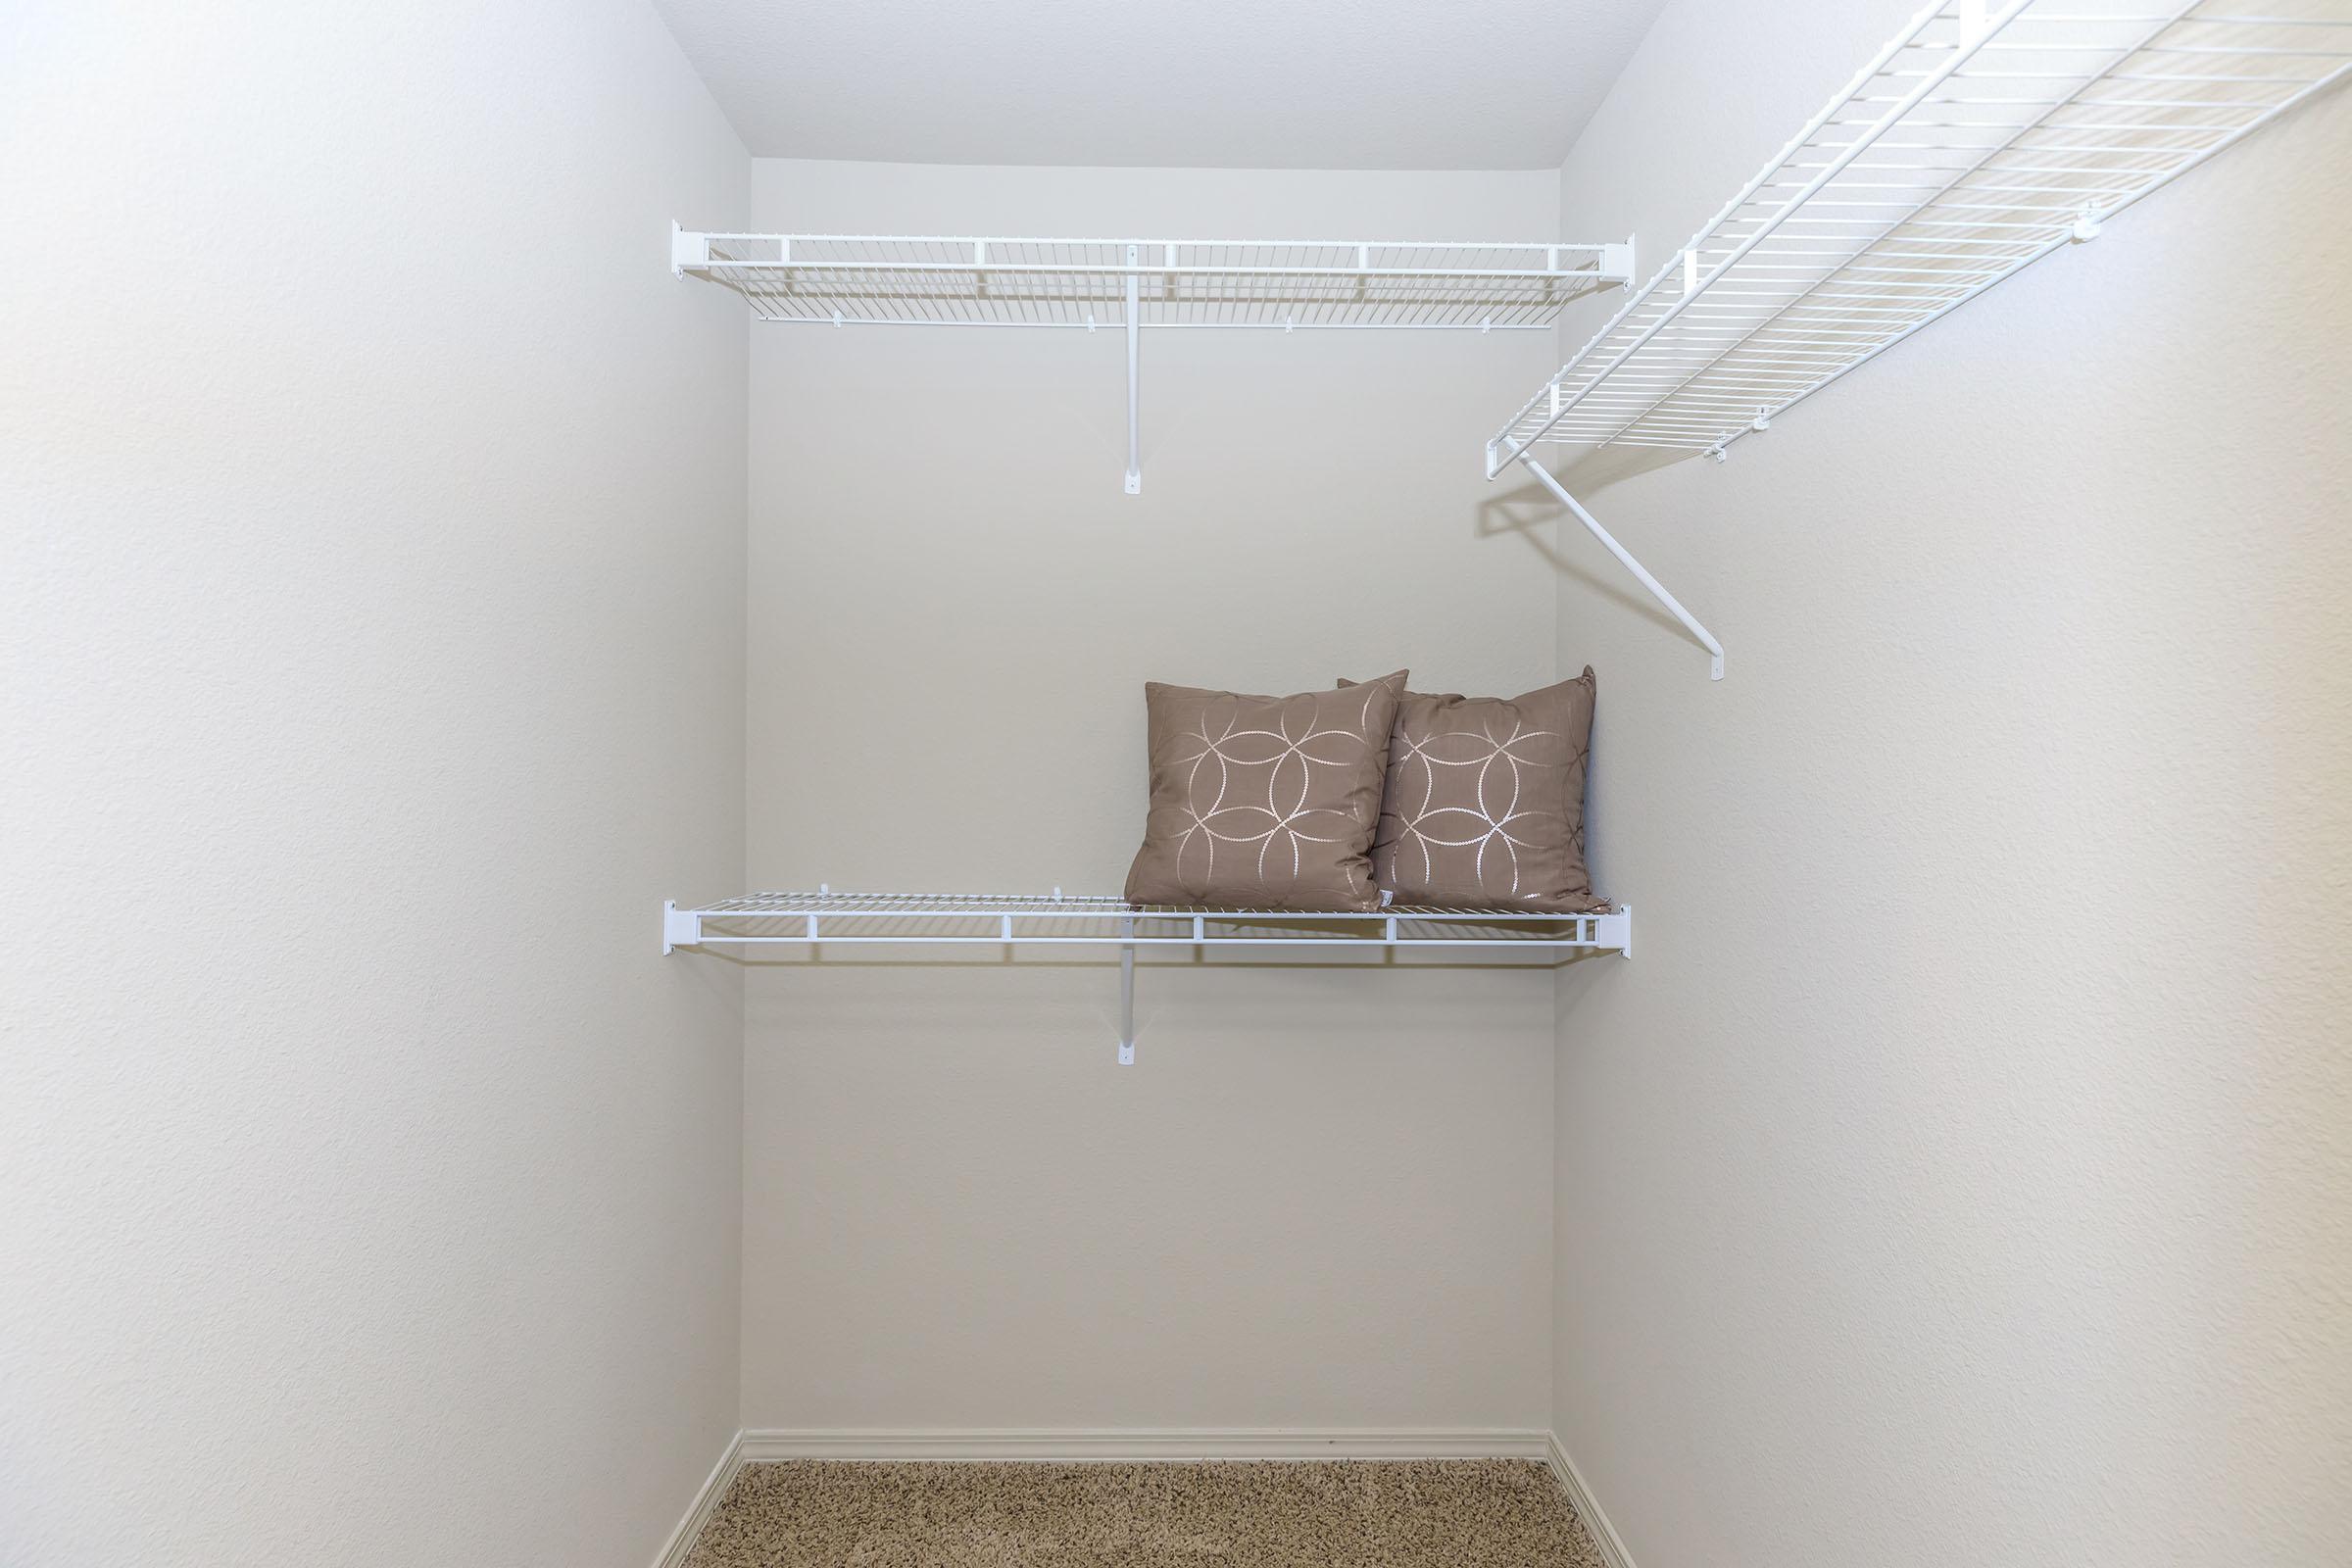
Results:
<point x="1179" y="83"/>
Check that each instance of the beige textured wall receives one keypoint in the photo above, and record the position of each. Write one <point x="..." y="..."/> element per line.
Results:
<point x="371" y="666"/>
<point x="1321" y="1198"/>
<point x="1958" y="1175"/>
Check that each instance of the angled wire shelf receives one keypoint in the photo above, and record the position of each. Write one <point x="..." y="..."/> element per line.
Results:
<point x="1987" y="135"/>
<point x="997" y="919"/>
<point x="843" y="279"/>
<point x="1984" y="137"/>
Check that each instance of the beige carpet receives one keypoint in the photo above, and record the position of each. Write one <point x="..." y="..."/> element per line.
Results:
<point x="1453" y="1513"/>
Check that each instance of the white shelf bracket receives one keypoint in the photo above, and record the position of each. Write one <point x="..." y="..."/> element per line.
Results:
<point x="1616" y="930"/>
<point x="1135" y="437"/>
<point x="687" y="249"/>
<point x="680" y="928"/>
<point x="1617" y="262"/>
<point x="1625" y="559"/>
<point x="1127" y="996"/>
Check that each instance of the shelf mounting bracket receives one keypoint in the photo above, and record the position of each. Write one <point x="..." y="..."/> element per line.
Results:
<point x="680" y="928"/>
<point x="1135" y="440"/>
<point x="1127" y="996"/>
<point x="1625" y="557"/>
<point x="687" y="249"/>
<point x="1615" y="929"/>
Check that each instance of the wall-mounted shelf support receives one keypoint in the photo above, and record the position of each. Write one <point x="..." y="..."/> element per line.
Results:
<point x="989" y="919"/>
<point x="1135" y="426"/>
<point x="1127" y="996"/>
<point x="1614" y="931"/>
<point x="1625" y="559"/>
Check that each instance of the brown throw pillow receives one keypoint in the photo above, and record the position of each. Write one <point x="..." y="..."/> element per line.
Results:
<point x="1486" y="801"/>
<point x="1264" y="803"/>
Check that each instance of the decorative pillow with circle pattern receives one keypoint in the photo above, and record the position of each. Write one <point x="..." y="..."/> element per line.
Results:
<point x="1484" y="806"/>
<point x="1264" y="803"/>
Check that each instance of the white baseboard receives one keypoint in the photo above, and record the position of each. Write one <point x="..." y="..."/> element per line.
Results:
<point x="715" y="1487"/>
<point x="1145" y="1442"/>
<point x="1572" y="1481"/>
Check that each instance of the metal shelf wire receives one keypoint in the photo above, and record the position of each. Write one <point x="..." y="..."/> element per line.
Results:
<point x="1987" y="135"/>
<point x="904" y="280"/>
<point x="1000" y="919"/>
<point x="1128" y="285"/>
<point x="1984" y="137"/>
<point x="1060" y="919"/>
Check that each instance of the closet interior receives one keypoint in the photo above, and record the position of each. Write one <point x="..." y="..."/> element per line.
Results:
<point x="1957" y="1174"/>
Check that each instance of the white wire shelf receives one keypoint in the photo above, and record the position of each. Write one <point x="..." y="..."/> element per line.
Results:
<point x="997" y="919"/>
<point x="1984" y="137"/>
<point x="905" y="280"/>
<point x="1059" y="920"/>
<point x="1128" y="285"/>
<point x="1987" y="135"/>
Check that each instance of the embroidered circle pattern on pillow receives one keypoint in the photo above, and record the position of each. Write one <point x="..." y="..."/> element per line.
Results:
<point x="1484" y="804"/>
<point x="1264" y="802"/>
